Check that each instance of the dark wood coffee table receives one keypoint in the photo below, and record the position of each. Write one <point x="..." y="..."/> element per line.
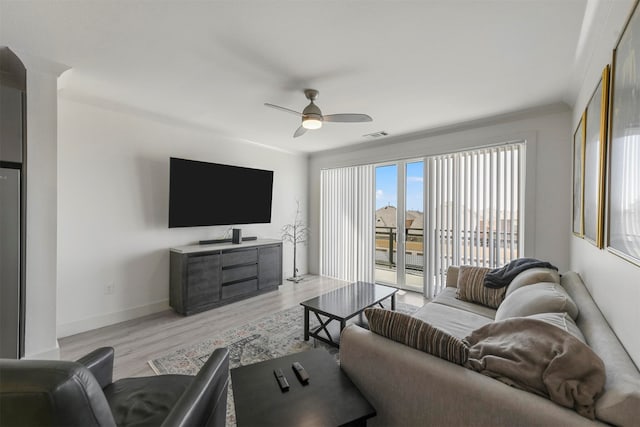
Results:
<point x="341" y="305"/>
<point x="329" y="399"/>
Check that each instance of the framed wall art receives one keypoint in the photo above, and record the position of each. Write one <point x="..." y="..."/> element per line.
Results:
<point x="595" y="150"/>
<point x="578" y="179"/>
<point x="624" y="151"/>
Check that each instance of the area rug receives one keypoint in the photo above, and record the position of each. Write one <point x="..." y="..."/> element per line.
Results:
<point x="269" y="337"/>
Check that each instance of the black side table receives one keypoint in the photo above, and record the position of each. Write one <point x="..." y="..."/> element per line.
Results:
<point x="330" y="398"/>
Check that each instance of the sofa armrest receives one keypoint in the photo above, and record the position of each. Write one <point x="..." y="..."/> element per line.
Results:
<point x="410" y="387"/>
<point x="100" y="364"/>
<point x="204" y="402"/>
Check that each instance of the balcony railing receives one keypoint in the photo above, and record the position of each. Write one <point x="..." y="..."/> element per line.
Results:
<point x="386" y="247"/>
<point x="477" y="244"/>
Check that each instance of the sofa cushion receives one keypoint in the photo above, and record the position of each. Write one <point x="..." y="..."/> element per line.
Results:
<point x="455" y="322"/>
<point x="535" y="299"/>
<point x="531" y="277"/>
<point x="562" y="321"/>
<point x="448" y="297"/>
<point x="471" y="287"/>
<point x="417" y="334"/>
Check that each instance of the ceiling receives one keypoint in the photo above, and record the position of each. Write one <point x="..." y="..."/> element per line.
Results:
<point x="411" y="65"/>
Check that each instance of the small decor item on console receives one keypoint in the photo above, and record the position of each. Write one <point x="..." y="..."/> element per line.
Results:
<point x="237" y="236"/>
<point x="295" y="233"/>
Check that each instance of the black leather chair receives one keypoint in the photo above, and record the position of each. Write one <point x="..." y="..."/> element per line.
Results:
<point x="81" y="393"/>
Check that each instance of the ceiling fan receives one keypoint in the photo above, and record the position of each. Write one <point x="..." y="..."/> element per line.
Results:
<point x="312" y="117"/>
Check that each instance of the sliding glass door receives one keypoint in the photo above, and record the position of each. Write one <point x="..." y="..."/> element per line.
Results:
<point x="447" y="209"/>
<point x="386" y="224"/>
<point x="399" y="253"/>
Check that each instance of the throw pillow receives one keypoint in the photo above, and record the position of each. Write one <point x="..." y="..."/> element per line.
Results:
<point x="471" y="287"/>
<point x="415" y="333"/>
<point x="533" y="276"/>
<point x="535" y="299"/>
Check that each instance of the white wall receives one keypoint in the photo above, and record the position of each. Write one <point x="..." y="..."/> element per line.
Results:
<point x="613" y="282"/>
<point x="548" y="163"/>
<point x="113" y="182"/>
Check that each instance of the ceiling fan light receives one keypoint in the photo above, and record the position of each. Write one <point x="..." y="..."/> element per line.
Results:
<point x="311" y="123"/>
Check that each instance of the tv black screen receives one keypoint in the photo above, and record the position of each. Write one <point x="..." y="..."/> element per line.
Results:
<point x="202" y="194"/>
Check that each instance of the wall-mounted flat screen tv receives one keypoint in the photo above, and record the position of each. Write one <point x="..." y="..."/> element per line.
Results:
<point x="202" y="194"/>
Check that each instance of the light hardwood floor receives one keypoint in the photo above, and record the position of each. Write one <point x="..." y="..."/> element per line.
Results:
<point x="139" y="340"/>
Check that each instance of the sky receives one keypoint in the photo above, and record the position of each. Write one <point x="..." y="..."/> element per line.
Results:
<point x="387" y="186"/>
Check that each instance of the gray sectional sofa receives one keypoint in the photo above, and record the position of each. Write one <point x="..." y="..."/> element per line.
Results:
<point x="411" y="388"/>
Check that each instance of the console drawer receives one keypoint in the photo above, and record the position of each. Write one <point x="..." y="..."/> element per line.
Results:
<point x="236" y="257"/>
<point x="239" y="273"/>
<point x="239" y="288"/>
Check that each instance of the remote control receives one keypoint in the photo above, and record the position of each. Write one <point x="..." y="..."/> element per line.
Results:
<point x="301" y="373"/>
<point x="282" y="380"/>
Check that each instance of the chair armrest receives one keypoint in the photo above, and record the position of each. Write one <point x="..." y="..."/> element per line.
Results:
<point x="100" y="364"/>
<point x="204" y="402"/>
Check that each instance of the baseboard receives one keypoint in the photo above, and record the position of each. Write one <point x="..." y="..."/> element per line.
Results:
<point x="90" y="323"/>
<point x="50" y="354"/>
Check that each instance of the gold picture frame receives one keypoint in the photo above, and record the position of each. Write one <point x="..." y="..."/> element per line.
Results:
<point x="594" y="166"/>
<point x="578" y="179"/>
<point x="624" y="149"/>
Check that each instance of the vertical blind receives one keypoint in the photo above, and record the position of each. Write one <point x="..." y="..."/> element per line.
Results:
<point x="474" y="213"/>
<point x="347" y="223"/>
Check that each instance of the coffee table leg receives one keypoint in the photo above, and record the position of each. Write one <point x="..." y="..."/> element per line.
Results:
<point x="393" y="302"/>
<point x="306" y="324"/>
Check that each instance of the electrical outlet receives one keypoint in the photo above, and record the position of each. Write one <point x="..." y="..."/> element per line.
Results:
<point x="109" y="288"/>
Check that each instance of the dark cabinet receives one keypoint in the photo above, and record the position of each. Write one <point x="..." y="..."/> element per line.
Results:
<point x="270" y="266"/>
<point x="203" y="277"/>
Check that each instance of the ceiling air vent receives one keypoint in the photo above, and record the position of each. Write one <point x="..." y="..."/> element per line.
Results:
<point x="376" y="134"/>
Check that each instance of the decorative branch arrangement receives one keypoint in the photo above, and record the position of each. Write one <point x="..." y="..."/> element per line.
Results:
<point x="296" y="233"/>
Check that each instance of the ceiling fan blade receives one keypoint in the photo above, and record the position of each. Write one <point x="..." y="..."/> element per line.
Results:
<point x="347" y="118"/>
<point x="277" y="107"/>
<point x="299" y="132"/>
